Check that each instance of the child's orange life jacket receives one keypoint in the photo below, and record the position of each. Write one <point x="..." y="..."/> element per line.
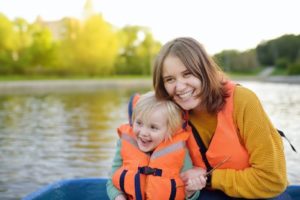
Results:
<point x="155" y="176"/>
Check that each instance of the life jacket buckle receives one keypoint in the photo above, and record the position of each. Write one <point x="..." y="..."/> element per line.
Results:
<point x="150" y="171"/>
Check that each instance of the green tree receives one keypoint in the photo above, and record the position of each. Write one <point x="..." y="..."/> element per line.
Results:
<point x="146" y="51"/>
<point x="23" y="40"/>
<point x="96" y="47"/>
<point x="286" y="47"/>
<point x="235" y="61"/>
<point x="65" y="54"/>
<point x="41" y="49"/>
<point x="6" y="44"/>
<point x="138" y="48"/>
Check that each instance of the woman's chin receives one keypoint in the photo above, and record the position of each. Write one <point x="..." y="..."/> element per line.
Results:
<point x="188" y="105"/>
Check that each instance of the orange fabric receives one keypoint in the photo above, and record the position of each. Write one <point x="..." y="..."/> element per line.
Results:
<point x="225" y="142"/>
<point x="171" y="163"/>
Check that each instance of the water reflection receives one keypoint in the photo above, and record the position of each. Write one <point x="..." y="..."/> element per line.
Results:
<point x="49" y="137"/>
<point x="45" y="138"/>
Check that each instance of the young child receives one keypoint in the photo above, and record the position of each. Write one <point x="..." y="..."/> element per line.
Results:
<point x="152" y="153"/>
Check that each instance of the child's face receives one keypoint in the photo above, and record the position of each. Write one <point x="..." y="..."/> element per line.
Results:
<point x="152" y="131"/>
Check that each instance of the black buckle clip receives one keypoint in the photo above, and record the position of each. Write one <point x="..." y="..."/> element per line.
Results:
<point x="148" y="170"/>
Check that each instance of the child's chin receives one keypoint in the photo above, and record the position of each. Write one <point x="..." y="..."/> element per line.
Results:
<point x="146" y="150"/>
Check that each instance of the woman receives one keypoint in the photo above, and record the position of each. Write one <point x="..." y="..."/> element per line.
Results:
<point x="229" y="124"/>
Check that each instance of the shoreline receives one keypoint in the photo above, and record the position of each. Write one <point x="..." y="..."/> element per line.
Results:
<point x="46" y="86"/>
<point x="270" y="79"/>
<point x="65" y="86"/>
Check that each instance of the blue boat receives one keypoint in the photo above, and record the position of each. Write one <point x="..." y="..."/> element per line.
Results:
<point x="94" y="189"/>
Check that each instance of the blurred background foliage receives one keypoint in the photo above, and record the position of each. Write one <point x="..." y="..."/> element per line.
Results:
<point x="94" y="47"/>
<point x="282" y="53"/>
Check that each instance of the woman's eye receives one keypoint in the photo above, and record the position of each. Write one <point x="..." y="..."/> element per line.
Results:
<point x="187" y="74"/>
<point x="169" y="80"/>
<point x="154" y="127"/>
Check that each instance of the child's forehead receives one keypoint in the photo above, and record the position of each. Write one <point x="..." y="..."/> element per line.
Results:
<point x="154" y="109"/>
<point x="156" y="112"/>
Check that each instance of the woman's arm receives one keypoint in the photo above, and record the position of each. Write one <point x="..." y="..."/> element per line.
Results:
<point x="111" y="190"/>
<point x="267" y="175"/>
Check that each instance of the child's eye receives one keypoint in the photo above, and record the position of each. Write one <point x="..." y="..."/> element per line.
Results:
<point x="138" y="122"/>
<point x="154" y="127"/>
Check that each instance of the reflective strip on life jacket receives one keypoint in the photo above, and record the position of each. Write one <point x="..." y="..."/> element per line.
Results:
<point x="129" y="139"/>
<point x="167" y="150"/>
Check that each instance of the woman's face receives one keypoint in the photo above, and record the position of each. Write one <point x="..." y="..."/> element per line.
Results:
<point x="180" y="83"/>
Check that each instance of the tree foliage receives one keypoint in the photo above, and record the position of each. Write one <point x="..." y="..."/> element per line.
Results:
<point x="70" y="46"/>
<point x="95" y="47"/>
<point x="282" y="52"/>
<point x="235" y="61"/>
<point x="138" y="48"/>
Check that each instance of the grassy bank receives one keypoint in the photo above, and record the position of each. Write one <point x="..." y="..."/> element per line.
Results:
<point x="41" y="77"/>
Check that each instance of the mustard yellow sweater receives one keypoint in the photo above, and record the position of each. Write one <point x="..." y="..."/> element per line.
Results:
<point x="267" y="175"/>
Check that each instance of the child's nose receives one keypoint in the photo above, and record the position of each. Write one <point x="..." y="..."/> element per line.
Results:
<point x="143" y="132"/>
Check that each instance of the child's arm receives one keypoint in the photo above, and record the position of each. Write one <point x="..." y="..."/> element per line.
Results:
<point x="189" y="165"/>
<point x="111" y="190"/>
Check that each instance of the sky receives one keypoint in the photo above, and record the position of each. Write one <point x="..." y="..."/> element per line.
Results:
<point x="217" y="24"/>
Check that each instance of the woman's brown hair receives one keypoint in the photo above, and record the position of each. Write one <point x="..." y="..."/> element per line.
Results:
<point x="200" y="64"/>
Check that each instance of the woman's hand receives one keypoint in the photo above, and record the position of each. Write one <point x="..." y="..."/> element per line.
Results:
<point x="120" y="197"/>
<point x="196" y="183"/>
<point x="194" y="179"/>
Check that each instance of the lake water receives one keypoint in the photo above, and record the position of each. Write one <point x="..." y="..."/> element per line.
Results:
<point x="52" y="136"/>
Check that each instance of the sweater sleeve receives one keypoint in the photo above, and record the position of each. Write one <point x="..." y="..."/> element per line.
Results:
<point x="266" y="177"/>
<point x="111" y="190"/>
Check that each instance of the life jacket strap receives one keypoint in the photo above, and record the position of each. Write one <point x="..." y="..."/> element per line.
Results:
<point x="283" y="135"/>
<point x="150" y="171"/>
<point x="173" y="189"/>
<point x="203" y="150"/>
<point x="122" y="180"/>
<point x="202" y="147"/>
<point x="137" y="186"/>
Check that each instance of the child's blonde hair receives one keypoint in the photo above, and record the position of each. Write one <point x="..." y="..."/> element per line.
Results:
<point x="148" y="103"/>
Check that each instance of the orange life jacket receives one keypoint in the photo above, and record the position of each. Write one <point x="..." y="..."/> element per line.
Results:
<point x="155" y="176"/>
<point x="225" y="142"/>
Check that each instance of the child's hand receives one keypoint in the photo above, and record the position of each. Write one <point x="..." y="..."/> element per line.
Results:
<point x="120" y="197"/>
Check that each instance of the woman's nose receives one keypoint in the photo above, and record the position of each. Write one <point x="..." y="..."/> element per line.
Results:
<point x="180" y="84"/>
